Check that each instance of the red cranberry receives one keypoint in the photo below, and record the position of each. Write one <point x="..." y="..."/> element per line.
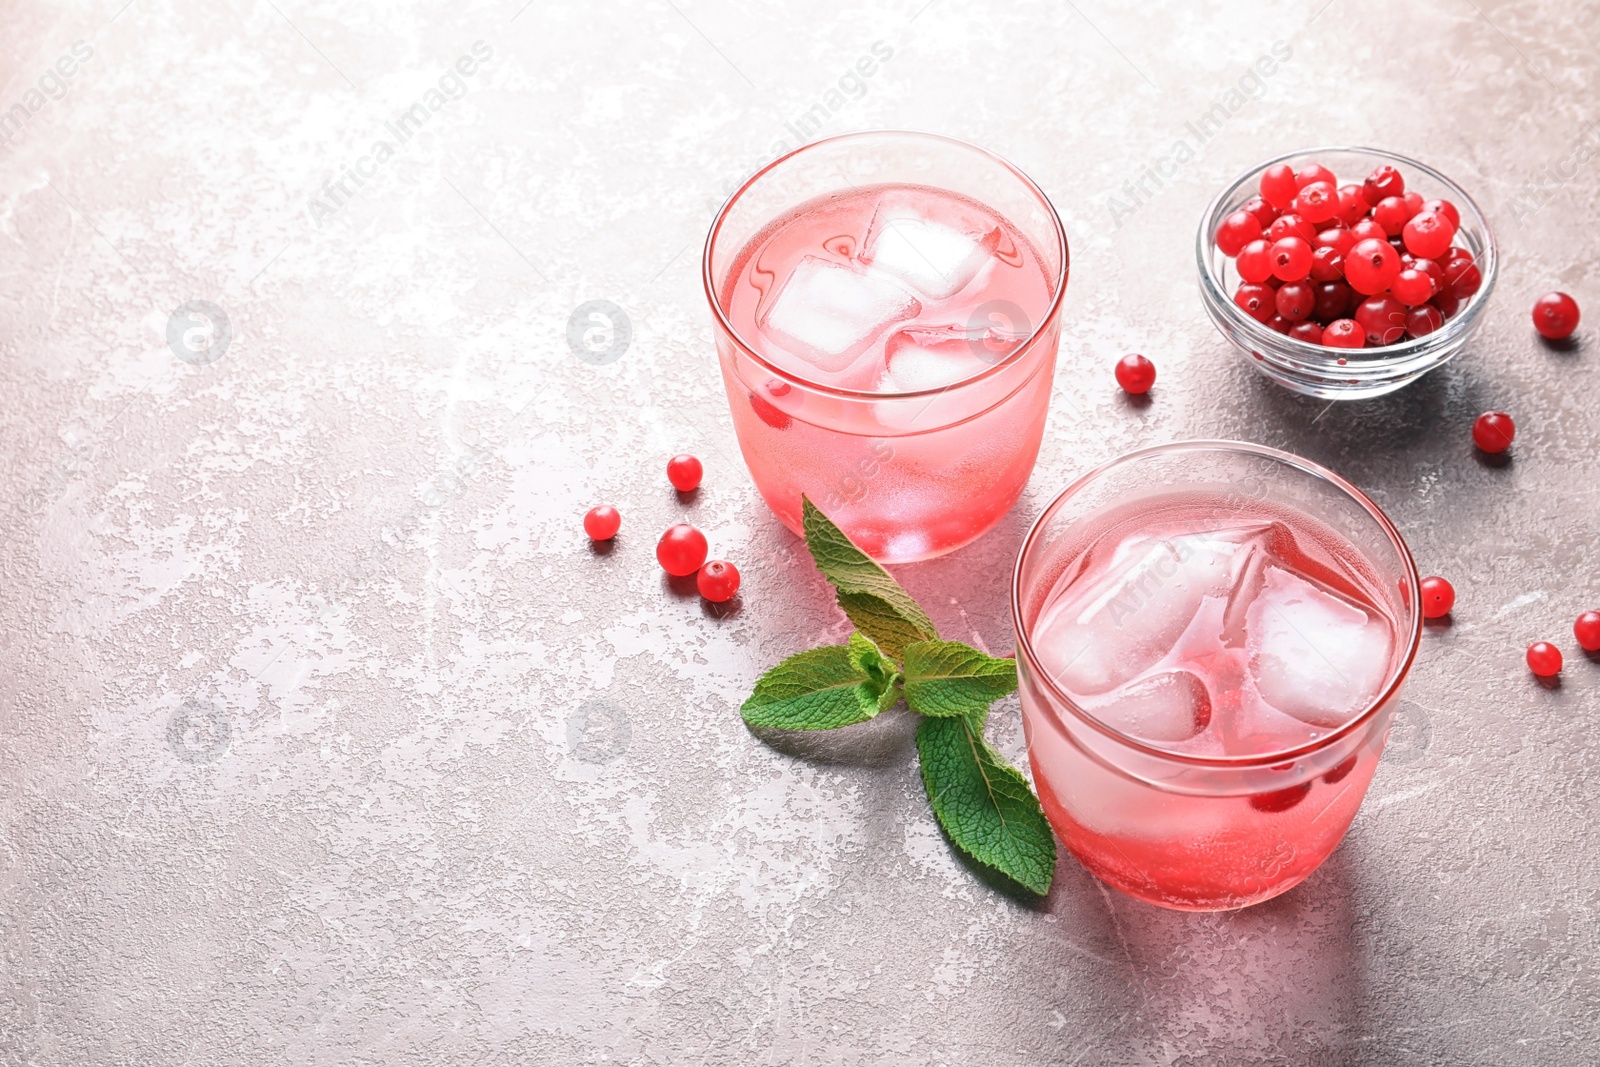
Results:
<point x="1428" y="234"/>
<point x="1353" y="204"/>
<point x="1135" y="374"/>
<point x="1392" y="213"/>
<point x="1333" y="301"/>
<point x="1413" y="201"/>
<point x="1461" y="273"/>
<point x="602" y="523"/>
<point x="1263" y="211"/>
<point x="1344" y="333"/>
<point x="1438" y="597"/>
<point x="1291" y="258"/>
<point x="1371" y="266"/>
<point x="1279" y="324"/>
<point x="1291" y="225"/>
<point x="1367" y="229"/>
<point x="1430" y="267"/>
<point x="1312" y="173"/>
<point x="1383" y="182"/>
<point x="1447" y="302"/>
<point x="1421" y="321"/>
<point x="1308" y="331"/>
<point x="1338" y="238"/>
<point x="1295" y="301"/>
<point x="1278" y="186"/>
<point x="1383" y="318"/>
<point x="1493" y="431"/>
<point x="1280" y="799"/>
<point x="1412" y="287"/>
<point x="1257" y="301"/>
<point x="1236" y="231"/>
<point x="768" y="412"/>
<point x="1317" y="201"/>
<point x="1445" y="208"/>
<point x="681" y="550"/>
<point x="1555" y="315"/>
<point x="1254" y="263"/>
<point x="718" y="581"/>
<point x="1341" y="770"/>
<point x="1587" y="631"/>
<point x="1544" y="659"/>
<point x="1327" y="264"/>
<point x="684" y="473"/>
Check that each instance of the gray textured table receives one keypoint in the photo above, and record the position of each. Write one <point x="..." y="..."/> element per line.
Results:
<point x="326" y="738"/>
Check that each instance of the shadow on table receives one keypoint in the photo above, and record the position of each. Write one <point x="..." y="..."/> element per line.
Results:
<point x="1277" y="982"/>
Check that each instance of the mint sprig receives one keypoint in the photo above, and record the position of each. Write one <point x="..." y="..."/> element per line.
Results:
<point x="983" y="803"/>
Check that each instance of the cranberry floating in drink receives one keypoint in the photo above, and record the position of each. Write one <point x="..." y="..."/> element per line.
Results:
<point x="887" y="311"/>
<point x="1211" y="637"/>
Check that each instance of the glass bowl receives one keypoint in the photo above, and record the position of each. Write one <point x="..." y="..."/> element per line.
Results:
<point x="1336" y="373"/>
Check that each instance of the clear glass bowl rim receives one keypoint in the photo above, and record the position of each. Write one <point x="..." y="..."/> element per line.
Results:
<point x="1402" y="353"/>
<point x="1391" y="685"/>
<point x="1015" y="356"/>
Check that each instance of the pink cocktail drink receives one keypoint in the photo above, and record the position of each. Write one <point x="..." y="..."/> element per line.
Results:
<point x="888" y="345"/>
<point x="1210" y="659"/>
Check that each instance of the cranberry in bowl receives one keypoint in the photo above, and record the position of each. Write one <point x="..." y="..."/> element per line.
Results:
<point x="1345" y="273"/>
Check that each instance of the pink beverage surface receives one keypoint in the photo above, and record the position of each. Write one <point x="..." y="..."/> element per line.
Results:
<point x="881" y="290"/>
<point x="1200" y="624"/>
<point x="888" y="289"/>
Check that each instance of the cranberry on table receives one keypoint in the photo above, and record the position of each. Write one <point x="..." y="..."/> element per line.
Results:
<point x="1493" y="431"/>
<point x="1544" y="659"/>
<point x="1236" y="231"/>
<point x="681" y="550"/>
<point x="1344" y="333"/>
<point x="602" y="523"/>
<point x="1587" y="631"/>
<point x="1555" y="315"/>
<point x="1382" y="183"/>
<point x="1438" y="597"/>
<point x="684" y="472"/>
<point x="1135" y="374"/>
<point x="718" y="581"/>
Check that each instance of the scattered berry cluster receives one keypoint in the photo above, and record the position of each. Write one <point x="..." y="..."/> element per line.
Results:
<point x="1544" y="658"/>
<point x="1347" y="266"/>
<point x="682" y="549"/>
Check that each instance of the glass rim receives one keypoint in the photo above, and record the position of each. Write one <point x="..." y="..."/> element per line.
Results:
<point x="1011" y="358"/>
<point x="1391" y="686"/>
<point x="1399" y="354"/>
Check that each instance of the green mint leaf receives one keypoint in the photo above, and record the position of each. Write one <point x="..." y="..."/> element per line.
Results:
<point x="824" y="688"/>
<point x="873" y="600"/>
<point x="945" y="678"/>
<point x="984" y="803"/>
